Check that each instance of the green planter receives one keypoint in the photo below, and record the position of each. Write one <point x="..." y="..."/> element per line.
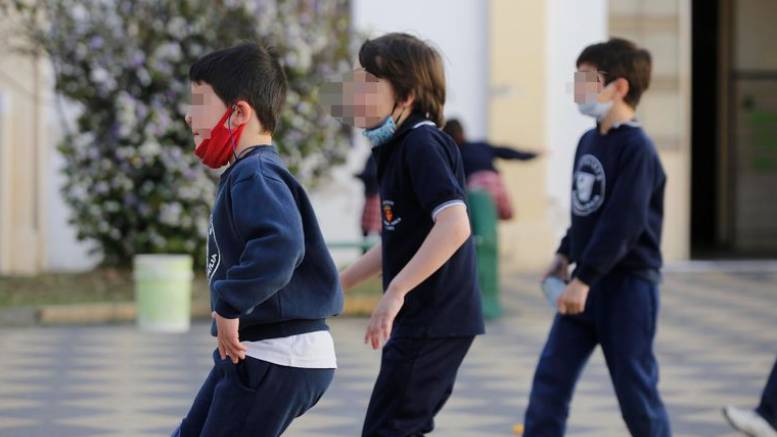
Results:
<point x="163" y="292"/>
<point x="483" y="216"/>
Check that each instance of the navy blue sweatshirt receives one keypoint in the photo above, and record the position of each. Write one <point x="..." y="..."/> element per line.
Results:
<point x="617" y="205"/>
<point x="420" y="171"/>
<point x="370" y="177"/>
<point x="267" y="260"/>
<point x="479" y="156"/>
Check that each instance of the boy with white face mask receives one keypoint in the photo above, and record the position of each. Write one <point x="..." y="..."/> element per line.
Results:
<point x="614" y="240"/>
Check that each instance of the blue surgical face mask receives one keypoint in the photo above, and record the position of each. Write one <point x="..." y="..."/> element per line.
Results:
<point x="595" y="109"/>
<point x="382" y="133"/>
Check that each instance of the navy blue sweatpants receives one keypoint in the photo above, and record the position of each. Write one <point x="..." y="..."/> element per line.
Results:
<point x="620" y="315"/>
<point x="416" y="379"/>
<point x="252" y="398"/>
<point x="768" y="406"/>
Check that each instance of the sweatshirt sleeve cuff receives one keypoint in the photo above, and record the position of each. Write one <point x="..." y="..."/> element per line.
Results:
<point x="587" y="274"/>
<point x="226" y="311"/>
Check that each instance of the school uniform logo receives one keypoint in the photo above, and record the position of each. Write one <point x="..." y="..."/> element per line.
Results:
<point x="214" y="253"/>
<point x="588" y="186"/>
<point x="390" y="219"/>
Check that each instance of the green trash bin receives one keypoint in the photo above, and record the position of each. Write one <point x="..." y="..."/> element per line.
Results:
<point x="163" y="292"/>
<point x="483" y="216"/>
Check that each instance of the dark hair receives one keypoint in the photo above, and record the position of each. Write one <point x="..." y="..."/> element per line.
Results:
<point x="454" y="128"/>
<point x="412" y="67"/>
<point x="620" y="58"/>
<point x="249" y="72"/>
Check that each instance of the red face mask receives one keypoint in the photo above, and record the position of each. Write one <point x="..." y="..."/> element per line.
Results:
<point x="215" y="151"/>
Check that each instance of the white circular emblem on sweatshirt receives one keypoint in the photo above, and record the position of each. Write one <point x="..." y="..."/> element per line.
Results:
<point x="588" y="186"/>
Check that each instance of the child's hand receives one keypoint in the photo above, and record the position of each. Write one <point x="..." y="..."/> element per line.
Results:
<point x="572" y="301"/>
<point x="344" y="282"/>
<point x="382" y="320"/>
<point x="558" y="268"/>
<point x="228" y="339"/>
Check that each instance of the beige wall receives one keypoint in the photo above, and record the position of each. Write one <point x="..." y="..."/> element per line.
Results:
<point x="663" y="27"/>
<point x="22" y="163"/>
<point x="516" y="116"/>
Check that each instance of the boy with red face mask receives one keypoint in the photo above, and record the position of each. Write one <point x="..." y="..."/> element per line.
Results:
<point x="272" y="281"/>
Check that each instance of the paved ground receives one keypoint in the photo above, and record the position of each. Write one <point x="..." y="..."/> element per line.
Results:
<point x="717" y="341"/>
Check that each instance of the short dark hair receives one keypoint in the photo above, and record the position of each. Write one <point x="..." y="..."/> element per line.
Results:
<point x="620" y="58"/>
<point x="412" y="67"/>
<point x="249" y="72"/>
<point x="454" y="128"/>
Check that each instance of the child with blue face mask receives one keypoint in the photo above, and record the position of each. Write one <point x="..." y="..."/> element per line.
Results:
<point x="611" y="298"/>
<point x="430" y="312"/>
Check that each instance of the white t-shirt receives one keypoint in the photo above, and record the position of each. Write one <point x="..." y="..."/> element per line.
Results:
<point x="312" y="350"/>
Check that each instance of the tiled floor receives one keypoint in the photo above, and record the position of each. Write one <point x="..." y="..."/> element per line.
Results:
<point x="716" y="344"/>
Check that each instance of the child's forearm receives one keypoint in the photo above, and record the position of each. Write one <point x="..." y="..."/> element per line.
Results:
<point x="448" y="234"/>
<point x="369" y="265"/>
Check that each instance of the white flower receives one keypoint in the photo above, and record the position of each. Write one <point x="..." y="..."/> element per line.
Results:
<point x="143" y="76"/>
<point x="187" y="192"/>
<point x="170" y="51"/>
<point x="170" y="214"/>
<point x="99" y="75"/>
<point x="202" y="226"/>
<point x="124" y="152"/>
<point x="149" y="150"/>
<point x="146" y="188"/>
<point x="79" y="12"/>
<point x="177" y="27"/>
<point x="112" y="206"/>
<point x="157" y="240"/>
<point x="101" y="188"/>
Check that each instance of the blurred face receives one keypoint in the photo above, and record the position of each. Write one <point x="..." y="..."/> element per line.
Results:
<point x="205" y="111"/>
<point x="589" y="85"/>
<point x="360" y="99"/>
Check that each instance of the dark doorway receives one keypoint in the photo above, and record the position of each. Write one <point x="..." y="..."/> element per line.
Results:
<point x="705" y="144"/>
<point x="733" y="129"/>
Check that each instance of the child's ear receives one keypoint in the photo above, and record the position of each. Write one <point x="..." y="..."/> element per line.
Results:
<point x="409" y="101"/>
<point x="621" y="87"/>
<point x="242" y="112"/>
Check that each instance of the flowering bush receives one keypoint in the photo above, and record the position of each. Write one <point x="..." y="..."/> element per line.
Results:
<point x="132" y="181"/>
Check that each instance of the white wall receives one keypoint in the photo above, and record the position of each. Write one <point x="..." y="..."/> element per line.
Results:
<point x="63" y="251"/>
<point x="458" y="29"/>
<point x="571" y="26"/>
<point x="5" y="110"/>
